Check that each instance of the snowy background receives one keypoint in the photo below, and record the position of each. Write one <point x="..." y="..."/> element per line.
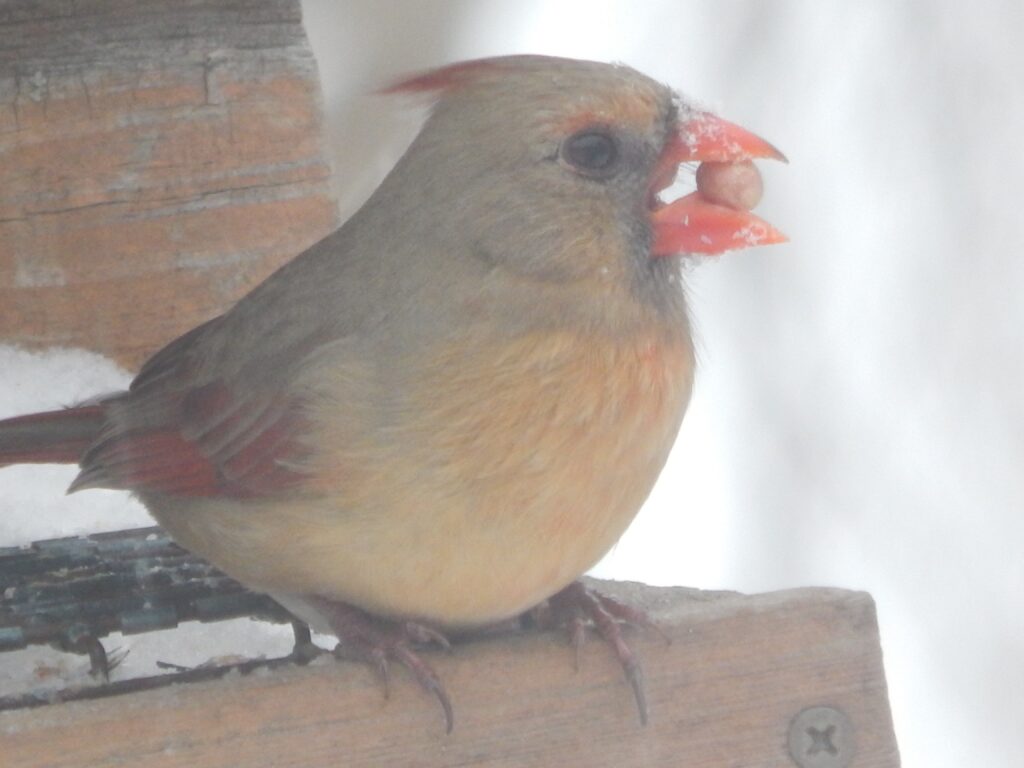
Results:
<point x="858" y="419"/>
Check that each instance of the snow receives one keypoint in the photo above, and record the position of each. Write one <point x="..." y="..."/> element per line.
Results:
<point x="857" y="420"/>
<point x="33" y="506"/>
<point x="32" y="503"/>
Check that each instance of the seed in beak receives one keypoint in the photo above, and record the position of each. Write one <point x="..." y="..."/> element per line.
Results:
<point x="736" y="185"/>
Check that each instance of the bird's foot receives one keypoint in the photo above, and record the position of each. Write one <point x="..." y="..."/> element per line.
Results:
<point x="577" y="604"/>
<point x="380" y="642"/>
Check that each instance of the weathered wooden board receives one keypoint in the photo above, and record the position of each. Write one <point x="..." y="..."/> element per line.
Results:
<point x="157" y="159"/>
<point x="725" y="692"/>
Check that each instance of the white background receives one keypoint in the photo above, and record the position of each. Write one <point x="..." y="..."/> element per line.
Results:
<point x="858" y="419"/>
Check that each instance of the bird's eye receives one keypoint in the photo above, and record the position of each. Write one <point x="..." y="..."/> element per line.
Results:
<point x="591" y="152"/>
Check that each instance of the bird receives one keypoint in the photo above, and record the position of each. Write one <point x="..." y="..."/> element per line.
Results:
<point x="442" y="414"/>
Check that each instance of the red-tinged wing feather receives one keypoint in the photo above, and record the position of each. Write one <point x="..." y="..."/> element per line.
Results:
<point x="168" y="435"/>
<point x="207" y="443"/>
<point x="155" y="461"/>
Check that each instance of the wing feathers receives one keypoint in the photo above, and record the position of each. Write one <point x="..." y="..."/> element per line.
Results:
<point x="211" y="443"/>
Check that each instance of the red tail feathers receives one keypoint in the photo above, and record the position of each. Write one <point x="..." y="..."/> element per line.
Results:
<point x="53" y="437"/>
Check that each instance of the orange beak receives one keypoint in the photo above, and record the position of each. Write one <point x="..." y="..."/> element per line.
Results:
<point x="693" y="224"/>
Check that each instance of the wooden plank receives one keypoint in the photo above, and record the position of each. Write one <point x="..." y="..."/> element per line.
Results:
<point x="725" y="692"/>
<point x="157" y="159"/>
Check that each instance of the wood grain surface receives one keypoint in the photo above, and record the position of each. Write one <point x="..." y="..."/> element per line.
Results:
<point x="725" y="692"/>
<point x="157" y="159"/>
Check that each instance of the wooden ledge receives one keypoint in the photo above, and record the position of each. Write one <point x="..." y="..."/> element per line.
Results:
<point x="160" y="159"/>
<point x="725" y="692"/>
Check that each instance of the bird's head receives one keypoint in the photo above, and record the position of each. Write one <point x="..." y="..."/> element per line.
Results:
<point x="555" y="167"/>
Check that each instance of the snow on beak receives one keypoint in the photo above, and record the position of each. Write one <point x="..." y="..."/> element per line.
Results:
<point x="716" y="218"/>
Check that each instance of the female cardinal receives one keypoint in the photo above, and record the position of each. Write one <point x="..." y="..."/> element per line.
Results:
<point x="444" y="412"/>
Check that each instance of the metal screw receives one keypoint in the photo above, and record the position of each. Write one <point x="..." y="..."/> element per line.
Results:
<point x="821" y="737"/>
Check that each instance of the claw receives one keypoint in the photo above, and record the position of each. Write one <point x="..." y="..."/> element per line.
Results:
<point x="577" y="634"/>
<point x="611" y="631"/>
<point x="428" y="680"/>
<point x="379" y="657"/>
<point x="381" y="642"/>
<point x="634" y="616"/>
<point x="608" y="615"/>
<point x="424" y="635"/>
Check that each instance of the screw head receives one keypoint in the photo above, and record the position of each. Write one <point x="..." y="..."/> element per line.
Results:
<point x="821" y="737"/>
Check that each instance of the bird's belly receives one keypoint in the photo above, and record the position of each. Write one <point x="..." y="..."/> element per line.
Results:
<point x="519" y="468"/>
<point x="484" y="503"/>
